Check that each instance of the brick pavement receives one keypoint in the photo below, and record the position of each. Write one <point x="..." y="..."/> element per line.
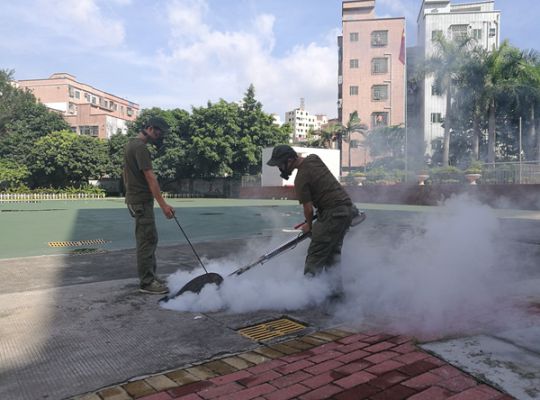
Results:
<point x="333" y="364"/>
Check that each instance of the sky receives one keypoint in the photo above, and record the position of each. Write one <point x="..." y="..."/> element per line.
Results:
<point x="184" y="53"/>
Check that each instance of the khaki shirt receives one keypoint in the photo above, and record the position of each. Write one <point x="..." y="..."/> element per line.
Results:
<point x="314" y="182"/>
<point x="136" y="161"/>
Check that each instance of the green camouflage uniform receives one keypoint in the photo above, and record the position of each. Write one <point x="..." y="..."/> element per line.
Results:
<point x="140" y="204"/>
<point x="314" y="182"/>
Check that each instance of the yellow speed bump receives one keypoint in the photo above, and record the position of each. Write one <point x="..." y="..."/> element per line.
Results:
<point x="78" y="243"/>
<point x="271" y="329"/>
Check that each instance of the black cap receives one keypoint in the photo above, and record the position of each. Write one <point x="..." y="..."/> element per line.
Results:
<point x="159" y="123"/>
<point x="281" y="154"/>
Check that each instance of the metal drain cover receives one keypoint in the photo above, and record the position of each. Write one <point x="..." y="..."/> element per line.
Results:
<point x="78" y="243"/>
<point x="271" y="329"/>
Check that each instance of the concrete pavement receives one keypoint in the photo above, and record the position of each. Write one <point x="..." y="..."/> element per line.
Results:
<point x="74" y="326"/>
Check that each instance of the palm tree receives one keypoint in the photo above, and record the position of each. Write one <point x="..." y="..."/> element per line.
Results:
<point x="531" y="92"/>
<point x="323" y="137"/>
<point x="354" y="125"/>
<point x="446" y="65"/>
<point x="472" y="86"/>
<point x="504" y="80"/>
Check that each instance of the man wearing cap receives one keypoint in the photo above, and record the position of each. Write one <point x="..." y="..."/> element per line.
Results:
<point x="317" y="188"/>
<point x="142" y="188"/>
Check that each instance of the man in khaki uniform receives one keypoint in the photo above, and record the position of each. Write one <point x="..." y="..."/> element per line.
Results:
<point x="317" y="188"/>
<point x="141" y="189"/>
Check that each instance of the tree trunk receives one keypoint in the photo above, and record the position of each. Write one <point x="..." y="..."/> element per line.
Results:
<point x="446" y="139"/>
<point x="491" y="133"/>
<point x="349" y="153"/>
<point x="476" y="134"/>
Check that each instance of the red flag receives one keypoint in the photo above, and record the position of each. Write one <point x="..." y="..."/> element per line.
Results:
<point x="402" y="49"/>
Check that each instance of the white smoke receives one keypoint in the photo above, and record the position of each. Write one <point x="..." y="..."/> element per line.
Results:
<point x="449" y="272"/>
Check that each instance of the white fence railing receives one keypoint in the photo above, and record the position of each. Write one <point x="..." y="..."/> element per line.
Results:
<point x="49" y="196"/>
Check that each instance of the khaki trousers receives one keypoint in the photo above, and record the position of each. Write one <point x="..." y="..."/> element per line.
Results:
<point x="146" y="237"/>
<point x="327" y="238"/>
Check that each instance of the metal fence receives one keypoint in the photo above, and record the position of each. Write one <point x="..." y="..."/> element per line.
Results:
<point x="526" y="172"/>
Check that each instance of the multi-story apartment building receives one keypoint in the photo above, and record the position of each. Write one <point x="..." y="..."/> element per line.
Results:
<point x="478" y="20"/>
<point x="88" y="110"/>
<point x="371" y="72"/>
<point x="302" y="122"/>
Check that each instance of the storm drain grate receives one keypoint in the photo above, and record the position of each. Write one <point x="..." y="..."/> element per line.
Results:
<point x="85" y="250"/>
<point x="271" y="329"/>
<point x="78" y="243"/>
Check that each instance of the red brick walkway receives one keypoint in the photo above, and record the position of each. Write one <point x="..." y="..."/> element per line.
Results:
<point x="359" y="366"/>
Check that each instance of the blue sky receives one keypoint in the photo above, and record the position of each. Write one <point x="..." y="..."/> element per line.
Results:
<point x="183" y="53"/>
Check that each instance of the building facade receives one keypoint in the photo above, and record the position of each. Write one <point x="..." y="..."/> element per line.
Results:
<point x="371" y="73"/>
<point x="87" y="110"/>
<point x="302" y="122"/>
<point x="478" y="20"/>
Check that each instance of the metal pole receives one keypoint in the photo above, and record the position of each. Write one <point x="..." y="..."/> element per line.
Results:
<point x="520" y="165"/>
<point x="405" y="69"/>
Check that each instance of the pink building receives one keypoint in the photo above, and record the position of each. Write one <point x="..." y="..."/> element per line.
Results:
<point x="371" y="72"/>
<point x="89" y="111"/>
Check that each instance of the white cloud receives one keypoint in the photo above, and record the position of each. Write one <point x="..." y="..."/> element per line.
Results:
<point x="82" y="21"/>
<point x="203" y="63"/>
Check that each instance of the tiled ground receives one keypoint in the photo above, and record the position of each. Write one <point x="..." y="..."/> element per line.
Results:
<point x="332" y="364"/>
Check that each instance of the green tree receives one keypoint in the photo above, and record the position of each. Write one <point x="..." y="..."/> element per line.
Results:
<point x="115" y="147"/>
<point x="324" y="137"/>
<point x="214" y="130"/>
<point x="12" y="175"/>
<point x="257" y="130"/>
<point x="502" y="85"/>
<point x="23" y="120"/>
<point x="387" y="141"/>
<point x="64" y="158"/>
<point x="446" y="65"/>
<point x="354" y="125"/>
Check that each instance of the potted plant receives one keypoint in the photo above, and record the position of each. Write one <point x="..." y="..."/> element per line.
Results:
<point x="473" y="172"/>
<point x="422" y="176"/>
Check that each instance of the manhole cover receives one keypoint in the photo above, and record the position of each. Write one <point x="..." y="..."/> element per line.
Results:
<point x="78" y="243"/>
<point x="271" y="329"/>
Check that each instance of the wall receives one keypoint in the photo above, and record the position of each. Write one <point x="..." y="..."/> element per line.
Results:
<point x="525" y="197"/>
<point x="270" y="175"/>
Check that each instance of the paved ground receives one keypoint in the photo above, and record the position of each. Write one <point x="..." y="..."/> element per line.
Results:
<point x="75" y="325"/>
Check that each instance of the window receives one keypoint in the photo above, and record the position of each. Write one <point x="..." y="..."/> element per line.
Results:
<point x="77" y="94"/>
<point x="353" y="90"/>
<point x="129" y="111"/>
<point x="435" y="34"/>
<point x="353" y="36"/>
<point x="94" y="100"/>
<point x="89" y="130"/>
<point x="477" y="34"/>
<point x="379" y="38"/>
<point x="71" y="91"/>
<point x="379" y="119"/>
<point x="459" y="32"/>
<point x="379" y="66"/>
<point x="353" y="63"/>
<point x="379" y="92"/>
<point x="492" y="32"/>
<point x="435" y="91"/>
<point x="87" y="97"/>
<point x="72" y="108"/>
<point x="436" y="118"/>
